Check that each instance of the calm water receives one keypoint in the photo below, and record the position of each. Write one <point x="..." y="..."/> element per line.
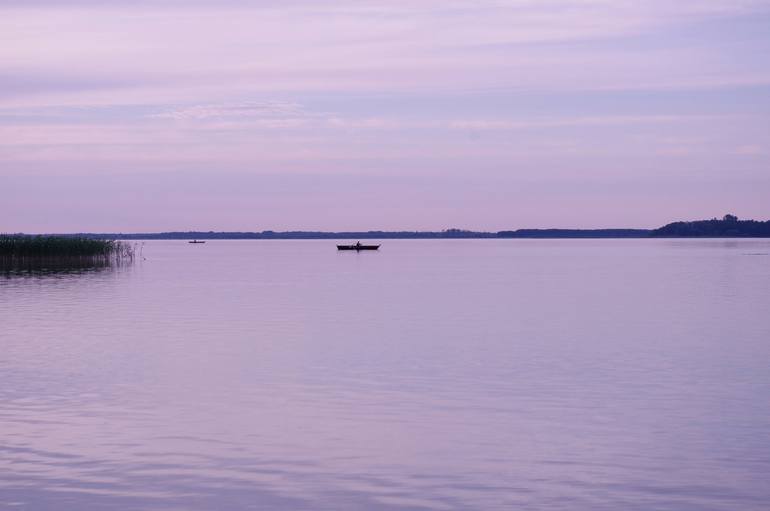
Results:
<point x="448" y="375"/>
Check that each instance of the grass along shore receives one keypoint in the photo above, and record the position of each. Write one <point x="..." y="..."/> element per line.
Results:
<point x="21" y="250"/>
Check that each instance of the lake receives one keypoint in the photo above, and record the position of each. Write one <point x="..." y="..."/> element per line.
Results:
<point x="429" y="375"/>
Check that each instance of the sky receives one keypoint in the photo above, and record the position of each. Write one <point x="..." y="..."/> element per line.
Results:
<point x="149" y="116"/>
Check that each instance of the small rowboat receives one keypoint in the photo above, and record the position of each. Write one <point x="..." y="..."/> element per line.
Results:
<point x="196" y="241"/>
<point x="357" y="247"/>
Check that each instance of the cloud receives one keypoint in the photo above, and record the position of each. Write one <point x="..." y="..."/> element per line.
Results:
<point x="209" y="52"/>
<point x="232" y="111"/>
<point x="377" y="123"/>
<point x="749" y="150"/>
<point x="215" y="76"/>
<point x="617" y="120"/>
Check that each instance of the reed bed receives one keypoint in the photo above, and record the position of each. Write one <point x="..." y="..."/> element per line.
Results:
<point x="20" y="250"/>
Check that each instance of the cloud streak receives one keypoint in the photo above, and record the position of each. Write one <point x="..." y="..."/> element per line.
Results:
<point x="205" y="51"/>
<point x="232" y="111"/>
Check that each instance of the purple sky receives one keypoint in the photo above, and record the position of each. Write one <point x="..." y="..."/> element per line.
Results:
<point x="381" y="114"/>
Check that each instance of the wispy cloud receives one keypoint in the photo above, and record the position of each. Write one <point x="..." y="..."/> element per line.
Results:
<point x="212" y="52"/>
<point x="246" y="110"/>
<point x="750" y="150"/>
<point x="617" y="120"/>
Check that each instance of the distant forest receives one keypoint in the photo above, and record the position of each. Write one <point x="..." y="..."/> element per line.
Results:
<point x="575" y="233"/>
<point x="727" y="227"/>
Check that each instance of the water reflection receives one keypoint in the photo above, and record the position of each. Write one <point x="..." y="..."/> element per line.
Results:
<point x="715" y="243"/>
<point x="52" y="270"/>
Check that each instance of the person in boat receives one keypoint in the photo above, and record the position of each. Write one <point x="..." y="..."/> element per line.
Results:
<point x="358" y="244"/>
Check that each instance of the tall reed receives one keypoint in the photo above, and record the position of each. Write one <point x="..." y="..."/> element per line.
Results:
<point x="21" y="250"/>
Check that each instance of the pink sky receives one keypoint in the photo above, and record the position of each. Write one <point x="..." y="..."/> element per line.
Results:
<point x="375" y="114"/>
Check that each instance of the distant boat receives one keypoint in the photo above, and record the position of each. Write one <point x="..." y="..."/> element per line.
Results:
<point x="358" y="246"/>
<point x="196" y="241"/>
